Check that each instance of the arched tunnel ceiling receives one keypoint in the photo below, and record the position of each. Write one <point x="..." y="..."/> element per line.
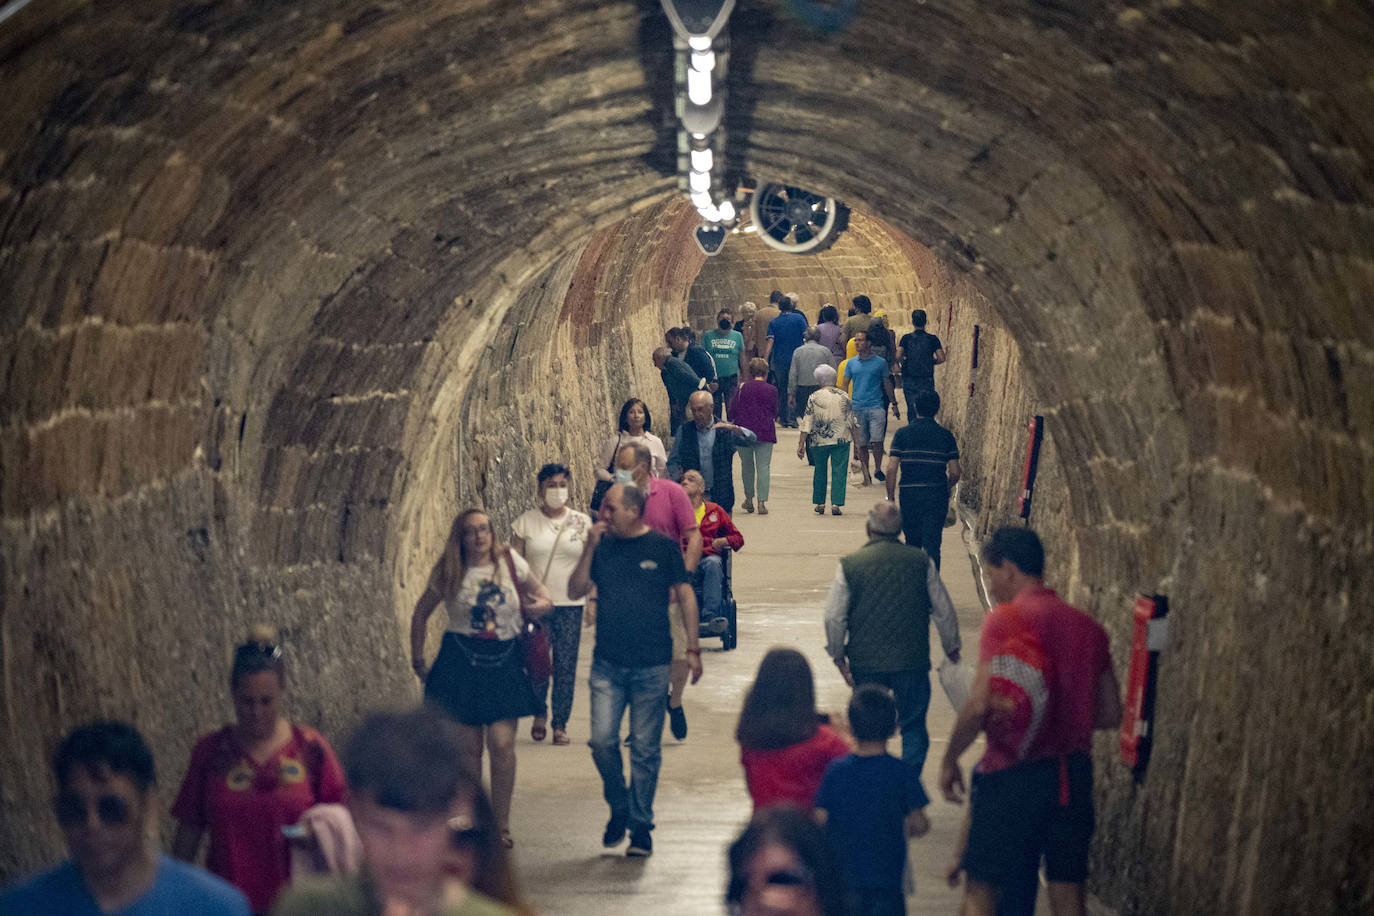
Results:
<point x="254" y="257"/>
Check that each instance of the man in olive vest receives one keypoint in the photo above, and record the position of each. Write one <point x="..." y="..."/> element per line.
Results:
<point x="877" y="623"/>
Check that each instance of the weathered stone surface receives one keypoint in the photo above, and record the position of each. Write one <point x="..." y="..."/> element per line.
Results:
<point x="280" y="284"/>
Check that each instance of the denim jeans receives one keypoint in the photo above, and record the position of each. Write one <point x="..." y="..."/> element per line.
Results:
<point x="911" y="690"/>
<point x="711" y="579"/>
<point x="755" y="461"/>
<point x="645" y="692"/>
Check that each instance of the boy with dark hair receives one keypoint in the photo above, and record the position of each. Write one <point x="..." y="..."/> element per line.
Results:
<point x="918" y="353"/>
<point x="429" y="837"/>
<point x="870" y="802"/>
<point x="107" y="808"/>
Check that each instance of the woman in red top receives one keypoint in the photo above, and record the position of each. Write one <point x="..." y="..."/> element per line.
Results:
<point x="247" y="781"/>
<point x="785" y="745"/>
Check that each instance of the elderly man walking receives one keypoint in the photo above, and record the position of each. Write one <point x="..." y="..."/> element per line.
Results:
<point x="709" y="447"/>
<point x="877" y="623"/>
<point x="680" y="381"/>
<point x="636" y="571"/>
<point x="801" y="378"/>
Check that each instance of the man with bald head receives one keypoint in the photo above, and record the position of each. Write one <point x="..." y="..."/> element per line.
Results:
<point x="877" y="623"/>
<point x="708" y="446"/>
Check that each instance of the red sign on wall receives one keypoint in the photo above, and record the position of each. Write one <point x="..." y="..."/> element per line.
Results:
<point x="1149" y="633"/>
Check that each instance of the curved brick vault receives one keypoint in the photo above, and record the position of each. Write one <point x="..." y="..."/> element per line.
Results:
<point x="263" y="263"/>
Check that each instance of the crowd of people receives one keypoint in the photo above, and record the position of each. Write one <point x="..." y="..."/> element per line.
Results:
<point x="403" y="822"/>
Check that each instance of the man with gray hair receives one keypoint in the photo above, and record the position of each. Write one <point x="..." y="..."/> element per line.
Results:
<point x="877" y="623"/>
<point x="801" y="378"/>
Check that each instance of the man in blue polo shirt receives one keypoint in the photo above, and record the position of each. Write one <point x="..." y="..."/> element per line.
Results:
<point x="871" y="394"/>
<point x="785" y="334"/>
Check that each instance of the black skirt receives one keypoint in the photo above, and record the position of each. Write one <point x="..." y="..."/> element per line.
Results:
<point x="480" y="681"/>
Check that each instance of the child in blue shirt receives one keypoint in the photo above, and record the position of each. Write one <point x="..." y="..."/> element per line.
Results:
<point x="870" y="802"/>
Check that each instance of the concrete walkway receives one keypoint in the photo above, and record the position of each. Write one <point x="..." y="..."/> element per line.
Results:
<point x="781" y="578"/>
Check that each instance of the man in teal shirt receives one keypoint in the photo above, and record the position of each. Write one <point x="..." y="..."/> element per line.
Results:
<point x="726" y="347"/>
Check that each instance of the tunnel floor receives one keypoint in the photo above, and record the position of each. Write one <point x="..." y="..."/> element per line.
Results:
<point x="781" y="578"/>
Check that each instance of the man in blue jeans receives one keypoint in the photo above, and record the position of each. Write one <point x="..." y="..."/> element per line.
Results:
<point x="636" y="571"/>
<point x="877" y="623"/>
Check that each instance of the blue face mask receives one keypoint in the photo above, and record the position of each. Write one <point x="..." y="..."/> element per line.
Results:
<point x="623" y="476"/>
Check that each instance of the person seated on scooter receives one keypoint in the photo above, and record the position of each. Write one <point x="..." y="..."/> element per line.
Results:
<point x="718" y="534"/>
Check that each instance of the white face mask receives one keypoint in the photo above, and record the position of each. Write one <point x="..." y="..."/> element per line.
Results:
<point x="624" y="476"/>
<point x="556" y="497"/>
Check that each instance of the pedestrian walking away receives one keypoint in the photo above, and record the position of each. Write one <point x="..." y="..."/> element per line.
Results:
<point x="479" y="677"/>
<point x="925" y="458"/>
<point x="635" y="570"/>
<point x="551" y="537"/>
<point x="918" y="354"/>
<point x="680" y="381"/>
<point x="826" y="428"/>
<point x="858" y="320"/>
<point x="708" y="446"/>
<point x="831" y="334"/>
<point x="785" y="743"/>
<point x="726" y="346"/>
<point x="877" y="623"/>
<point x="107" y="809"/>
<point x="756" y="409"/>
<point x="1044" y="683"/>
<point x="234" y="790"/>
<point x="801" y="378"/>
<point x="870" y="803"/>
<point x="785" y="334"/>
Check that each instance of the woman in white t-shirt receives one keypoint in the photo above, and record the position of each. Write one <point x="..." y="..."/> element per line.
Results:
<point x="551" y="538"/>
<point x="635" y="424"/>
<point x="479" y="677"/>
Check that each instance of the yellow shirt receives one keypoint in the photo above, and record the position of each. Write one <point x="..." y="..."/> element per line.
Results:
<point x="701" y="512"/>
<point x="840" y="380"/>
<point x="850" y="350"/>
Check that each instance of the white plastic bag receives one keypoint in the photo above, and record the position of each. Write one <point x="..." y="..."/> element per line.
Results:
<point x="957" y="681"/>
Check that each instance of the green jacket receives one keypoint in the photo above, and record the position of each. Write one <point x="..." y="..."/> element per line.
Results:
<point x="889" y="607"/>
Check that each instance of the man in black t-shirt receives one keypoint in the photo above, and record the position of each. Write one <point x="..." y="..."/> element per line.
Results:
<point x="636" y="571"/>
<point x="919" y="354"/>
<point x="928" y="458"/>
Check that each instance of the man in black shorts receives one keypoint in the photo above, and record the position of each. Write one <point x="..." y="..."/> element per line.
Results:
<point x="928" y="458"/>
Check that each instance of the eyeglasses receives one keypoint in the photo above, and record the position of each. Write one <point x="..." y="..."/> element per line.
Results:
<point x="476" y="530"/>
<point x="71" y="810"/>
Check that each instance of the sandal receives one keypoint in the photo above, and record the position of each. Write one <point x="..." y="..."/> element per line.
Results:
<point x="835" y="510"/>
<point x="538" y="731"/>
<point x="560" y="737"/>
<point x="820" y="510"/>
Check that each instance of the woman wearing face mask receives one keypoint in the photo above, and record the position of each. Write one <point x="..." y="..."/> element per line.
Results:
<point x="551" y="538"/>
<point x="635" y="424"/>
<point x="247" y="781"/>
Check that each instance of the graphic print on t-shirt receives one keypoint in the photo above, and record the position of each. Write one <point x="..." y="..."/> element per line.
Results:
<point x="490" y="599"/>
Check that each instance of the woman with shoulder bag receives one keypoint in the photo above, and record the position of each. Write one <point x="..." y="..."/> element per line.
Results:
<point x="551" y="538"/>
<point x="634" y="426"/>
<point x="479" y="677"/>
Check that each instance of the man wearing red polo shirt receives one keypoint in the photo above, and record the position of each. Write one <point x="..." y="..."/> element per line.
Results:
<point x="1031" y="797"/>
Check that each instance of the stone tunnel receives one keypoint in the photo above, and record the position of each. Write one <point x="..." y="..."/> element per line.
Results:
<point x="285" y="284"/>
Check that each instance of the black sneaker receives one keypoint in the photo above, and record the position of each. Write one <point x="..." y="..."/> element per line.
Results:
<point x="677" y="723"/>
<point x="615" y="830"/>
<point x="641" y="844"/>
<point x="879" y="476"/>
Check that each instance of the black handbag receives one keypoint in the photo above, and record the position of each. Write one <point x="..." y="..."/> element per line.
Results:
<point x="599" y="491"/>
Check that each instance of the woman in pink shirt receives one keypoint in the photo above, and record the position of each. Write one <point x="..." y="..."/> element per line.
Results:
<point x="785" y="745"/>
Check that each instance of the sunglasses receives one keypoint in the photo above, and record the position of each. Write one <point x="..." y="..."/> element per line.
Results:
<point x="71" y="810"/>
<point x="785" y="877"/>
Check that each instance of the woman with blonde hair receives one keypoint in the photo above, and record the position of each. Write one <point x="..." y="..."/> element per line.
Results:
<point x="479" y="677"/>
